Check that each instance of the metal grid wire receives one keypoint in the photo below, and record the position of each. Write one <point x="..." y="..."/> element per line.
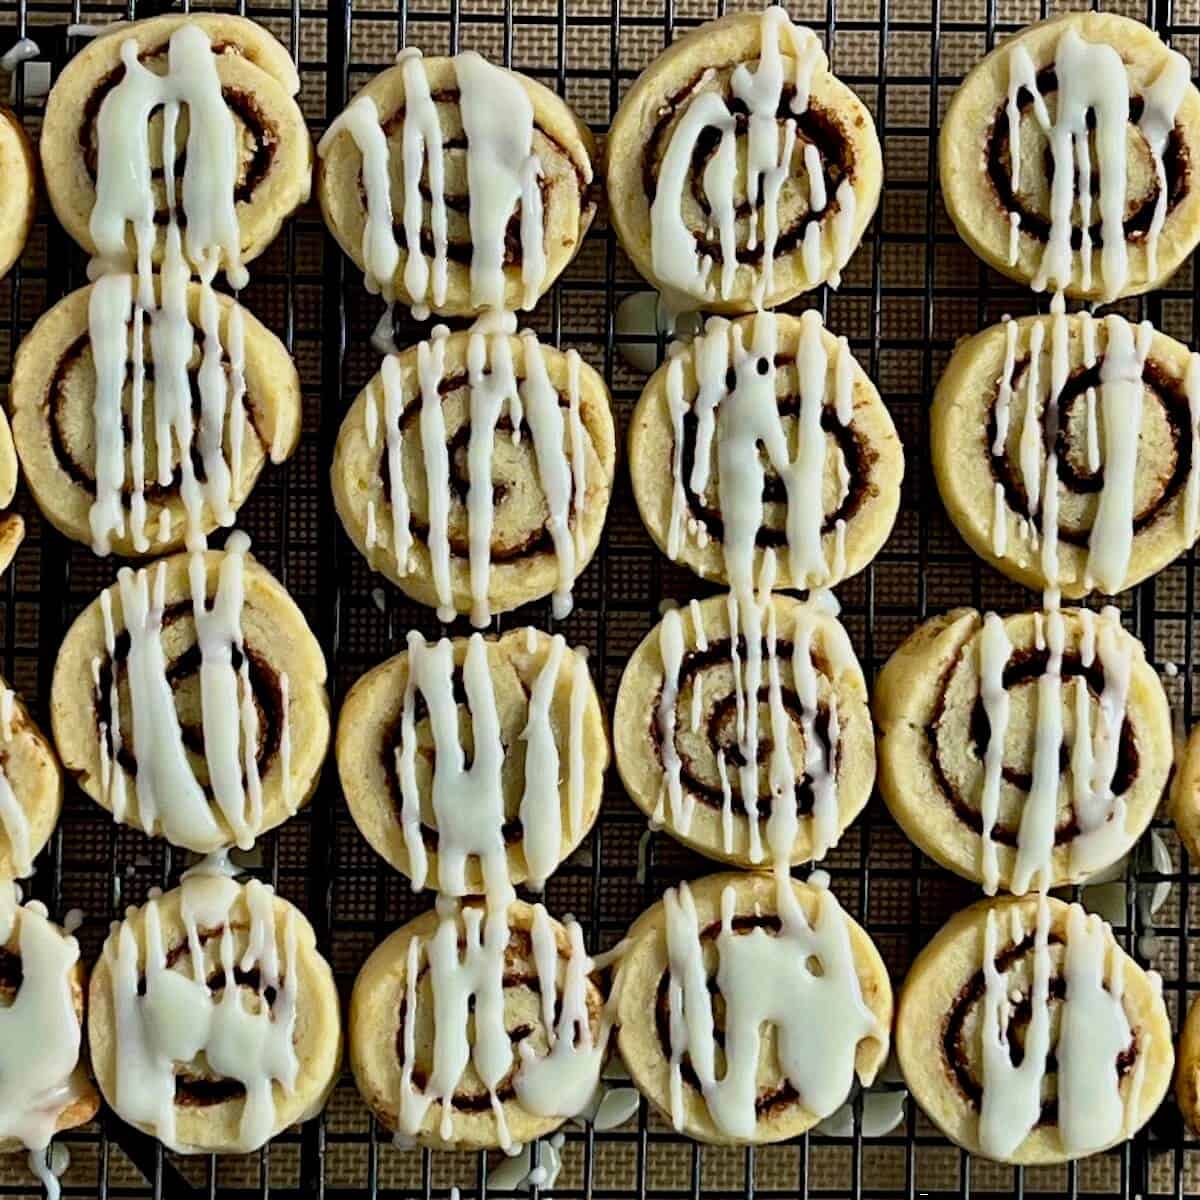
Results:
<point x="909" y="293"/>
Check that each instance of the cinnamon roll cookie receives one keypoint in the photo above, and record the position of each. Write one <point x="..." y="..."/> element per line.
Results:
<point x="30" y="788"/>
<point x="1027" y="1035"/>
<point x="457" y="186"/>
<point x="826" y="491"/>
<point x="1066" y="449"/>
<point x="142" y="428"/>
<point x="740" y="171"/>
<point x="189" y="700"/>
<point x="179" y="1058"/>
<point x="477" y="1028"/>
<point x="213" y="95"/>
<point x="777" y="779"/>
<point x="1185" y="795"/>
<point x="475" y="470"/>
<point x="18" y="203"/>
<point x="1187" y="1079"/>
<point x="1022" y="751"/>
<point x="1065" y="157"/>
<point x="747" y="1006"/>
<point x="12" y="524"/>
<point x="470" y="763"/>
<point x="44" y="1085"/>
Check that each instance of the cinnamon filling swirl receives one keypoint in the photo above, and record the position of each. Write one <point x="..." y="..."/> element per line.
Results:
<point x="1140" y="209"/>
<point x="958" y="1051"/>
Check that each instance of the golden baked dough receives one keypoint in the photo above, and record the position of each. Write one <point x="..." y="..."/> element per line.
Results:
<point x="30" y="768"/>
<point x="393" y="1057"/>
<point x="832" y="760"/>
<point x="934" y="734"/>
<point x="1185" y="795"/>
<point x="857" y="474"/>
<point x="390" y="438"/>
<point x="227" y="1085"/>
<point x="53" y="397"/>
<point x="561" y="144"/>
<point x="285" y="674"/>
<point x="1128" y="475"/>
<point x="814" y="207"/>
<point x="12" y="524"/>
<point x="1187" y="1078"/>
<point x="18" y="169"/>
<point x="940" y="1014"/>
<point x="1151" y="96"/>
<point x="259" y="82"/>
<point x="845" y="957"/>
<point x="371" y="741"/>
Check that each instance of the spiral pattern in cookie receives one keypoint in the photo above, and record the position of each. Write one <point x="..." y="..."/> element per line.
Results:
<point x="478" y="1029"/>
<point x="271" y="173"/>
<point x="1027" y="748"/>
<point x="740" y="171"/>
<point x="786" y="386"/>
<point x="1065" y="449"/>
<point x="526" y="708"/>
<point x="18" y="169"/>
<point x="475" y="470"/>
<point x="745" y="780"/>
<point x="1012" y="158"/>
<point x="179" y="1058"/>
<point x="748" y="1004"/>
<point x="457" y="186"/>
<point x="1027" y="1035"/>
<point x="189" y="700"/>
<point x="86" y="422"/>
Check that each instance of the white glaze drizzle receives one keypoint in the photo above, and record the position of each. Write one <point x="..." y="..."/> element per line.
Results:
<point x="745" y="423"/>
<point x="503" y="175"/>
<point x="468" y="801"/>
<point x="169" y="796"/>
<point x="467" y="990"/>
<point x="14" y="821"/>
<point x="995" y="649"/>
<point x="39" y="1031"/>
<point x="1092" y="80"/>
<point x="1093" y="1032"/>
<point x="178" y="1016"/>
<point x="677" y="259"/>
<point x="818" y="1011"/>
<point x="559" y="442"/>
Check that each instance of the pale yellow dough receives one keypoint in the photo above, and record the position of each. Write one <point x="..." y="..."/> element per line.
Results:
<point x="18" y="198"/>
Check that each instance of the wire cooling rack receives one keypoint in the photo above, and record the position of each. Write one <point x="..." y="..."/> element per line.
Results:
<point x="909" y="293"/>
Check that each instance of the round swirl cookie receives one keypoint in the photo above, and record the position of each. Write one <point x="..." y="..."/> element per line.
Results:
<point x="1013" y="164"/>
<point x="1023" y="751"/>
<point x="1027" y="1035"/>
<point x="1066" y="449"/>
<point x="768" y="382"/>
<point x="85" y="420"/>
<point x="776" y="780"/>
<point x="103" y="169"/>
<point x="475" y="470"/>
<point x="189" y="700"/>
<point x="742" y="172"/>
<point x="18" y="169"/>
<point x="31" y="788"/>
<point x="175" y="1056"/>
<point x="522" y="711"/>
<point x="457" y="186"/>
<point x="485" y="1052"/>
<point x="748" y="1005"/>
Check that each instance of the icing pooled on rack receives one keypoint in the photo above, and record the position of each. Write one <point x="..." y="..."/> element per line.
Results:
<point x="169" y="796"/>
<point x="126" y="317"/>
<point x="503" y="177"/>
<point x="1093" y="1034"/>
<point x="1092" y="107"/>
<point x="465" y="959"/>
<point x="789" y="55"/>
<point x="499" y="399"/>
<point x="169" y="1013"/>
<point x="740" y="425"/>
<point x="801" y="979"/>
<point x="467" y="791"/>
<point x="39" y="1030"/>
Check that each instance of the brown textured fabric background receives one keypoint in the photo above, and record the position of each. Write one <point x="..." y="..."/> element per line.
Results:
<point x="909" y="292"/>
